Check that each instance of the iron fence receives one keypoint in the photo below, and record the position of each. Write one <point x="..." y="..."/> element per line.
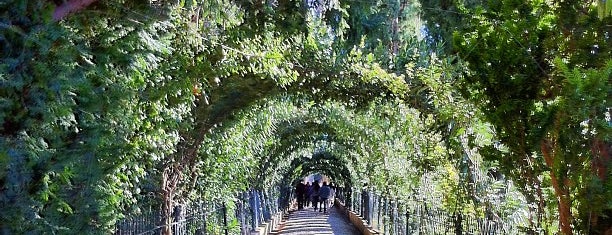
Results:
<point x="392" y="216"/>
<point x="242" y="215"/>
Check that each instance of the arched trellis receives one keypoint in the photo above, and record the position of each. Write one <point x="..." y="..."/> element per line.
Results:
<point x="299" y="125"/>
<point x="237" y="94"/>
<point x="290" y="133"/>
<point x="293" y="136"/>
<point x="351" y="85"/>
<point x="300" y="138"/>
<point x="299" y="131"/>
<point x="321" y="162"/>
<point x="233" y="95"/>
<point x="325" y="161"/>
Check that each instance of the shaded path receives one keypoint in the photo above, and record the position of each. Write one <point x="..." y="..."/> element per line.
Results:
<point x="309" y="222"/>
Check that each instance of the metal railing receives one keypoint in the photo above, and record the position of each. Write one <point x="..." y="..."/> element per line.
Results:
<point x="244" y="214"/>
<point x="392" y="216"/>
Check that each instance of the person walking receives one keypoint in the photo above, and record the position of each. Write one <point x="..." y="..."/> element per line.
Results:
<point x="300" y="191"/>
<point x="325" y="193"/>
<point x="309" y="192"/>
<point x="315" y="194"/>
<point x="332" y="198"/>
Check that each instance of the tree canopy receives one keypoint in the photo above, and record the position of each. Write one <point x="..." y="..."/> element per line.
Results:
<point x="105" y="103"/>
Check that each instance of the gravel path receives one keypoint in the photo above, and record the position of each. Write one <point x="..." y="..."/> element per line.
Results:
<point x="309" y="222"/>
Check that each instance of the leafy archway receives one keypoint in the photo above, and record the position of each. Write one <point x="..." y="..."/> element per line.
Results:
<point x="103" y="102"/>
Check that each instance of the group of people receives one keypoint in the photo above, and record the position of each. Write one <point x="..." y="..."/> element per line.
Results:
<point x="316" y="195"/>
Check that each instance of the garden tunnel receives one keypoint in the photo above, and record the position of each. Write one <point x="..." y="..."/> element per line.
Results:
<point x="303" y="136"/>
<point x="323" y="163"/>
<point x="288" y="140"/>
<point x="111" y="108"/>
<point x="297" y="127"/>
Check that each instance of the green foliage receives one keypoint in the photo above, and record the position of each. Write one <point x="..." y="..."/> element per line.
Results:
<point x="582" y="109"/>
<point x="84" y="114"/>
<point x="604" y="9"/>
<point x="519" y="77"/>
<point x="196" y="100"/>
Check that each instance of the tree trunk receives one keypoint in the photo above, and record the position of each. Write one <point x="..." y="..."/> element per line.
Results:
<point x="599" y="166"/>
<point x="601" y="158"/>
<point x="167" y="204"/>
<point x="395" y="39"/>
<point x="541" y="203"/>
<point x="560" y="185"/>
<point x="171" y="177"/>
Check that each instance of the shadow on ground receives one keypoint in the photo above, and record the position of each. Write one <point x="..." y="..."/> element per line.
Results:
<point x="310" y="222"/>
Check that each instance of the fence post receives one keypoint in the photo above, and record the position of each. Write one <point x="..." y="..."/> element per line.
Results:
<point x="225" y="218"/>
<point x="361" y="203"/>
<point x="394" y="218"/>
<point x="241" y="217"/>
<point x="355" y="203"/>
<point x="268" y="200"/>
<point x="374" y="211"/>
<point x="264" y="205"/>
<point x="261" y="204"/>
<point x="407" y="221"/>
<point x="458" y="226"/>
<point x="371" y="203"/>
<point x="388" y="212"/>
<point x="248" y="208"/>
<point x="352" y="202"/>
<point x="383" y="225"/>
<point x="257" y="207"/>
<point x="274" y="199"/>
<point x="386" y="216"/>
<point x="371" y="199"/>
<point x="422" y="209"/>
<point x="203" y="210"/>
<point x="178" y="211"/>
<point x="348" y="197"/>
<point x="380" y="212"/>
<point x="365" y="205"/>
<point x="253" y="203"/>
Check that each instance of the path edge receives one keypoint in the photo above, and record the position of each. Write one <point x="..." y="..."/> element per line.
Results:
<point x="355" y="219"/>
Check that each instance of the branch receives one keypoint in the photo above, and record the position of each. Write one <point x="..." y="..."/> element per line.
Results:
<point x="70" y="7"/>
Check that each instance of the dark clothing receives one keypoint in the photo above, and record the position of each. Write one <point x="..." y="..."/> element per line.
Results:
<point x="308" y="196"/>
<point x="315" y="194"/>
<point x="300" y="192"/>
<point x="325" y="193"/>
<point x="309" y="190"/>
<point x="316" y="187"/>
<point x="300" y="188"/>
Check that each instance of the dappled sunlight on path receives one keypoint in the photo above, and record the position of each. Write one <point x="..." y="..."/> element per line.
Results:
<point x="307" y="221"/>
